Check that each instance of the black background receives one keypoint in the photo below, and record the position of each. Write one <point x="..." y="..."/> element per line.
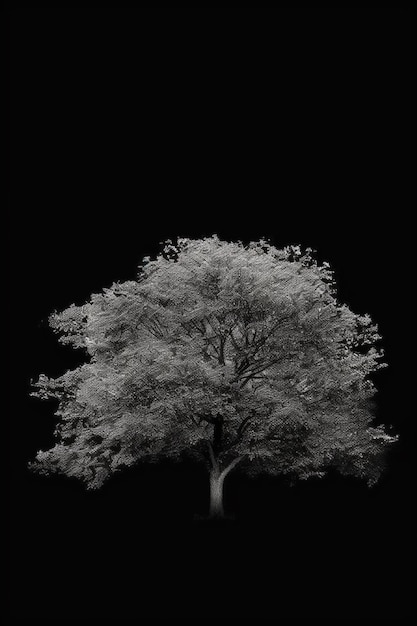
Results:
<point x="130" y="127"/>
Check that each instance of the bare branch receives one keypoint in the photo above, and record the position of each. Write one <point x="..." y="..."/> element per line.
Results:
<point x="244" y="424"/>
<point x="221" y="351"/>
<point x="231" y="466"/>
<point x="213" y="459"/>
<point x="256" y="372"/>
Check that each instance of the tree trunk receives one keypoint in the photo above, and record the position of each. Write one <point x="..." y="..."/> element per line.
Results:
<point x="216" y="483"/>
<point x="216" y="494"/>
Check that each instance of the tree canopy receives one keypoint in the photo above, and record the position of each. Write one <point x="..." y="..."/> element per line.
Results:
<point x="219" y="351"/>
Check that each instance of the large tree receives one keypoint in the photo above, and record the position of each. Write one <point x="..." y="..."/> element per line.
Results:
<point x="231" y="353"/>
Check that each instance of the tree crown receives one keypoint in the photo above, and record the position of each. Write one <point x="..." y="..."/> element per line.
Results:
<point x="224" y="351"/>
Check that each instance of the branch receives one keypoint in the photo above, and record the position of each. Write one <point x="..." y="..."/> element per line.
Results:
<point x="258" y="344"/>
<point x="243" y="425"/>
<point x="231" y="466"/>
<point x="240" y="431"/>
<point x="218" y="432"/>
<point x="256" y="371"/>
<point x="202" y="331"/>
<point x="213" y="459"/>
<point x="151" y="330"/>
<point x="221" y="352"/>
<point x="233" y="340"/>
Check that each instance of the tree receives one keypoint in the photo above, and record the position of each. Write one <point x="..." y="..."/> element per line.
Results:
<point x="231" y="353"/>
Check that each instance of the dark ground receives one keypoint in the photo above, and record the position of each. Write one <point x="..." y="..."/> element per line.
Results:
<point x="128" y="128"/>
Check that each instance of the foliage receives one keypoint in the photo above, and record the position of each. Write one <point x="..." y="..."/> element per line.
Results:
<point x="224" y="351"/>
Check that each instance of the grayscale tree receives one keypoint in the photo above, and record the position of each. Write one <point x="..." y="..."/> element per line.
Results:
<point x="223" y="352"/>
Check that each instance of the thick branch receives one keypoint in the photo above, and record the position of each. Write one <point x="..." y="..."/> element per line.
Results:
<point x="218" y="433"/>
<point x="221" y="352"/>
<point x="213" y="459"/>
<point x="231" y="466"/>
